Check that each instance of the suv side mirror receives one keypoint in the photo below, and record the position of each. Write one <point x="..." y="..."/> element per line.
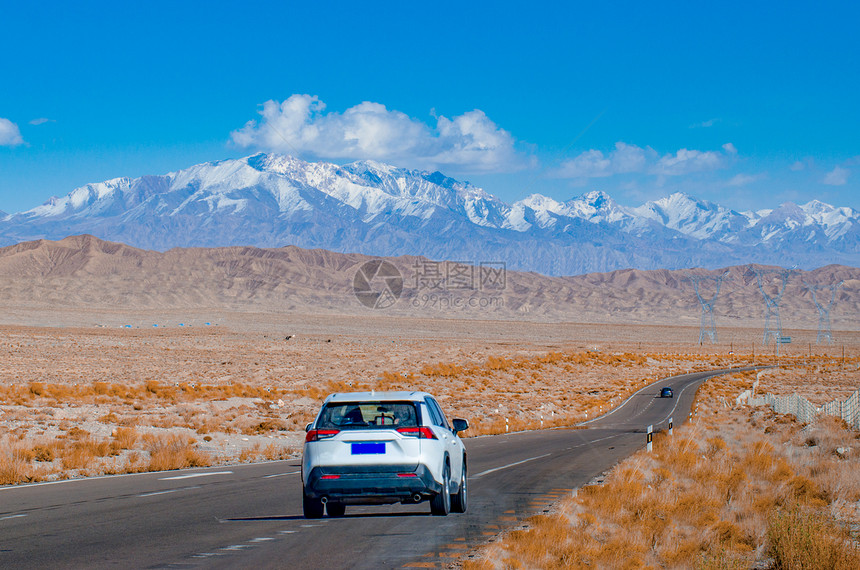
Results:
<point x="308" y="427"/>
<point x="460" y="425"/>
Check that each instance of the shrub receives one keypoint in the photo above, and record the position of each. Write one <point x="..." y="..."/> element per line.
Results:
<point x="173" y="451"/>
<point x="44" y="453"/>
<point x="14" y="468"/>
<point x="125" y="437"/>
<point x="802" y="538"/>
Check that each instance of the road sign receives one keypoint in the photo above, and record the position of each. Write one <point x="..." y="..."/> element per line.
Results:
<point x="783" y="340"/>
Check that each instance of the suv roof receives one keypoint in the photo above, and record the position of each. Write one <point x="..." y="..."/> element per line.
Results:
<point x="377" y="396"/>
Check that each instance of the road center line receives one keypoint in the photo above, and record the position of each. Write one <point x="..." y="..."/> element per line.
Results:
<point x="193" y="475"/>
<point x="591" y="443"/>
<point x="166" y="491"/>
<point x="281" y="474"/>
<point x="159" y="493"/>
<point x="488" y="471"/>
<point x="11" y="517"/>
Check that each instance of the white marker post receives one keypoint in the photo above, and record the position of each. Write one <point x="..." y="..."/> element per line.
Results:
<point x="506" y="425"/>
<point x="650" y="438"/>
<point x="670" y="426"/>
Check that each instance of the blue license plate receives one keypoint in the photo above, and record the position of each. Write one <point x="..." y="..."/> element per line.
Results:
<point x="375" y="448"/>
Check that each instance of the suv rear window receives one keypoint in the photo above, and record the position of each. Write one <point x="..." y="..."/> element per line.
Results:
<point x="364" y="415"/>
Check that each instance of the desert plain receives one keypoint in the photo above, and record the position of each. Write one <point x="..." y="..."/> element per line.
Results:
<point x="242" y="386"/>
<point x="106" y="368"/>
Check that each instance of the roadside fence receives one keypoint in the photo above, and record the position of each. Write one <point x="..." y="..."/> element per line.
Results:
<point x="806" y="411"/>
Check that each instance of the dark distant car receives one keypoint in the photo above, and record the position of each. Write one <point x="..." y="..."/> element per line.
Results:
<point x="667" y="392"/>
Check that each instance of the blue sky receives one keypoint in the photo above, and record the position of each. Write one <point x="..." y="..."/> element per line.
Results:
<point x="749" y="105"/>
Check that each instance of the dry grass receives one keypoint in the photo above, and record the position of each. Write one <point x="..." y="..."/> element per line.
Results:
<point x="76" y="453"/>
<point x="125" y="438"/>
<point x="270" y="452"/>
<point x="734" y="487"/>
<point x="799" y="537"/>
<point x="150" y="391"/>
<point x="569" y="387"/>
<point x="242" y="393"/>
<point x="173" y="451"/>
<point x="15" y="464"/>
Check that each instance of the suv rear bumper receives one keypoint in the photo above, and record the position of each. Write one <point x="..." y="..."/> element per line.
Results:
<point x="371" y="484"/>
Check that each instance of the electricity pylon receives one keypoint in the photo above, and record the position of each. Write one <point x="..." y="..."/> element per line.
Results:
<point x="772" y="322"/>
<point x="824" y="331"/>
<point x="708" y="326"/>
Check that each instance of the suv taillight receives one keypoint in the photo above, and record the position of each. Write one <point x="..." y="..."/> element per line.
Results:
<point x="318" y="434"/>
<point x="419" y="432"/>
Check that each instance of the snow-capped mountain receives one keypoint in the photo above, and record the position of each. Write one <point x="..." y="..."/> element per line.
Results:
<point x="270" y="200"/>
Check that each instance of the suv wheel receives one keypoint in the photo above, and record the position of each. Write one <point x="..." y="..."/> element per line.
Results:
<point x="458" y="501"/>
<point x="312" y="508"/>
<point x="440" y="505"/>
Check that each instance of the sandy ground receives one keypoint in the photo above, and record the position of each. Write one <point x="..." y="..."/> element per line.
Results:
<point x="241" y="386"/>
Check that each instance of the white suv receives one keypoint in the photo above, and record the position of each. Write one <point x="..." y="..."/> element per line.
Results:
<point x="382" y="448"/>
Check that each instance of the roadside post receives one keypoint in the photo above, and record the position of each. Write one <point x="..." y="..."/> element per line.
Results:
<point x="650" y="438"/>
<point x="670" y="426"/>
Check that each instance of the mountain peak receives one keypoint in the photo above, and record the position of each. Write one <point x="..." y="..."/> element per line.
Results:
<point x="273" y="200"/>
<point x="272" y="162"/>
<point x="597" y="198"/>
<point x="541" y="202"/>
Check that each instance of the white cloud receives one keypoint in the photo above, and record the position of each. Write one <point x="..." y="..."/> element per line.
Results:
<point x="594" y="164"/>
<point x="837" y="177"/>
<point x="705" y="124"/>
<point x="589" y="164"/>
<point x="9" y="133"/>
<point x="627" y="158"/>
<point x="687" y="161"/>
<point x="797" y="166"/>
<point x="41" y="121"/>
<point x="470" y="142"/>
<point x="744" y="179"/>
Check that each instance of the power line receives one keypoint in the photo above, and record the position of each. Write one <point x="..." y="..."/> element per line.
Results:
<point x="825" y="333"/>
<point x="772" y="321"/>
<point x="708" y="326"/>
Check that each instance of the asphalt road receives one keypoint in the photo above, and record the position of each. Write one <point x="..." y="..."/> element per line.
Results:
<point x="251" y="515"/>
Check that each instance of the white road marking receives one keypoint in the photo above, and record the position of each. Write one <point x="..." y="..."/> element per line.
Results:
<point x="81" y="480"/>
<point x="154" y="493"/>
<point x="590" y="443"/>
<point x="193" y="475"/>
<point x="672" y="411"/>
<point x="262" y="539"/>
<point x="287" y="532"/>
<point x="158" y="493"/>
<point x="653" y="385"/>
<point x="27" y="485"/>
<point x="488" y="471"/>
<point x="236" y="547"/>
<point x="281" y="474"/>
<point x="633" y="395"/>
<point x="11" y="517"/>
